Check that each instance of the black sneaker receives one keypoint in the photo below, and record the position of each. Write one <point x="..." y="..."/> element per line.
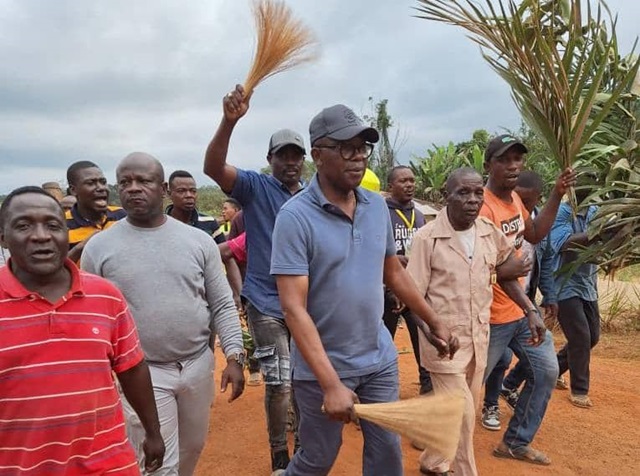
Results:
<point x="279" y="460"/>
<point x="491" y="418"/>
<point x="510" y="397"/>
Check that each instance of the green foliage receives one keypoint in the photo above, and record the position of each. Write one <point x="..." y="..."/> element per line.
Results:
<point x="210" y="199"/>
<point x="383" y="158"/>
<point x="433" y="170"/>
<point x="556" y="57"/>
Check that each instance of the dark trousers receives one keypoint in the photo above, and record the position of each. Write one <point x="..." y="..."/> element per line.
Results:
<point x="496" y="379"/>
<point x="391" y="323"/>
<point x="580" y="323"/>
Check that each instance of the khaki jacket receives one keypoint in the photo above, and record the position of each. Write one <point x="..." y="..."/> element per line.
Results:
<point x="458" y="289"/>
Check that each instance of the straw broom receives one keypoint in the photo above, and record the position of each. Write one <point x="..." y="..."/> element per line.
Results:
<point x="283" y="42"/>
<point x="432" y="422"/>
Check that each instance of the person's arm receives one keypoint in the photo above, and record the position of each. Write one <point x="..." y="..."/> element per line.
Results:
<point x="401" y="284"/>
<point x="546" y="283"/>
<point x="536" y="229"/>
<point x="514" y="290"/>
<point x="224" y="321"/>
<point x="234" y="277"/>
<point x="514" y="268"/>
<point x="137" y="388"/>
<point x="127" y="362"/>
<point x="338" y="399"/>
<point x="234" y="105"/>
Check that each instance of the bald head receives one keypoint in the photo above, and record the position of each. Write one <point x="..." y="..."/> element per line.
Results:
<point x="457" y="175"/>
<point x="142" y="160"/>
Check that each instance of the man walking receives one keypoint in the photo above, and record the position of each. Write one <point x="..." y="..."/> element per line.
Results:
<point x="576" y="295"/>
<point x="91" y="212"/>
<point x="405" y="220"/>
<point x="333" y="249"/>
<point x="171" y="275"/>
<point x="184" y="194"/>
<point x="503" y="161"/>
<point x="60" y="412"/>
<point x="261" y="196"/>
<point x="452" y="261"/>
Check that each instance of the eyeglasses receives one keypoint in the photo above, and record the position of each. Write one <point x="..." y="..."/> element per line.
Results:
<point x="349" y="151"/>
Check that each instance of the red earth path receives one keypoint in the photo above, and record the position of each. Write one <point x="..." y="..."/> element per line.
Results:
<point x="601" y="441"/>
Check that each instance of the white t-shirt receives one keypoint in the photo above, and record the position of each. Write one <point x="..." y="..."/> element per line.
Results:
<point x="468" y="240"/>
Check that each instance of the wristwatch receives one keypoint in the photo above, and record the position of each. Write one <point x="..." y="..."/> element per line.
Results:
<point x="238" y="357"/>
<point x="533" y="309"/>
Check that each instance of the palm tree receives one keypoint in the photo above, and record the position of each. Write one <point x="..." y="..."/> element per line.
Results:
<point x="567" y="79"/>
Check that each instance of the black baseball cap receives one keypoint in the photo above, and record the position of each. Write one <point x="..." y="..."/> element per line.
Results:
<point x="340" y="123"/>
<point x="500" y="144"/>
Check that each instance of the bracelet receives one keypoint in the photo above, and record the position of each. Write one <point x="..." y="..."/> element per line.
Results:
<point x="533" y="309"/>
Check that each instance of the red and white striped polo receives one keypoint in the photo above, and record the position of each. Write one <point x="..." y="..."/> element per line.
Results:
<point x="60" y="413"/>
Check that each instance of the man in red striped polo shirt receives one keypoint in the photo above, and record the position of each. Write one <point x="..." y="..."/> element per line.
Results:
<point x="62" y="334"/>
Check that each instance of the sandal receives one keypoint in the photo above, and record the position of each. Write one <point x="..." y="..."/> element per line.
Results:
<point x="580" y="401"/>
<point x="526" y="454"/>
<point x="433" y="473"/>
<point x="561" y="384"/>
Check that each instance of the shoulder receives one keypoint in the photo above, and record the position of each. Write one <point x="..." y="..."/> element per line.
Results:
<point x="299" y="203"/>
<point x="484" y="224"/>
<point x="116" y="213"/>
<point x="92" y="284"/>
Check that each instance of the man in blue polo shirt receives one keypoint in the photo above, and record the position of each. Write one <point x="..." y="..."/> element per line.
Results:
<point x="261" y="196"/>
<point x="331" y="257"/>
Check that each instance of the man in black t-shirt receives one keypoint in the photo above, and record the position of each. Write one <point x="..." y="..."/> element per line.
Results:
<point x="406" y="220"/>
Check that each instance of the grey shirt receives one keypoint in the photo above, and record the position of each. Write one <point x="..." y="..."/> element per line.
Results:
<point x="173" y="279"/>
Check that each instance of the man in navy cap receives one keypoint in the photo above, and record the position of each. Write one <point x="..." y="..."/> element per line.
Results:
<point x="333" y="249"/>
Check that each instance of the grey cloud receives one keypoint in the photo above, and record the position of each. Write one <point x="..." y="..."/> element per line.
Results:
<point x="97" y="80"/>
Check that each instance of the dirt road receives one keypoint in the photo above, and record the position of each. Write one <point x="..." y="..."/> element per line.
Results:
<point x="601" y="441"/>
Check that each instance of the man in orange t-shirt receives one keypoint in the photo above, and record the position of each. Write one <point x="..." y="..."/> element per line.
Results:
<point x="522" y="330"/>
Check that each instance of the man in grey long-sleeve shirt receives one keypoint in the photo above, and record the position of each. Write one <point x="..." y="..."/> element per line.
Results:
<point x="172" y="277"/>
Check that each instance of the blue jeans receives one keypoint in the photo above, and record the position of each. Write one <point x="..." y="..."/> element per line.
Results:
<point x="321" y="438"/>
<point x="496" y="379"/>
<point x="271" y="339"/>
<point x="541" y="369"/>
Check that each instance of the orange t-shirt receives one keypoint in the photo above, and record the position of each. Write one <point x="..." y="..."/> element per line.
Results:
<point x="510" y="218"/>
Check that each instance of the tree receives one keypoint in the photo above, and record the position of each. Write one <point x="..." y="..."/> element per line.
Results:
<point x="383" y="158"/>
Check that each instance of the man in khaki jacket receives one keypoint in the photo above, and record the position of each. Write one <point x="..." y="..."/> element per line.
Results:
<point x="454" y="261"/>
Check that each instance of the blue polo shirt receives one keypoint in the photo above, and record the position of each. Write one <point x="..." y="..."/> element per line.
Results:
<point x="261" y="197"/>
<point x="583" y="282"/>
<point x="344" y="261"/>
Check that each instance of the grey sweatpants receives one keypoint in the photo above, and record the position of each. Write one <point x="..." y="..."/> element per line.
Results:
<point x="184" y="394"/>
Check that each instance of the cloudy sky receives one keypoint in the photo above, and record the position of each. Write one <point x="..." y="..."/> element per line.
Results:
<point x="96" y="80"/>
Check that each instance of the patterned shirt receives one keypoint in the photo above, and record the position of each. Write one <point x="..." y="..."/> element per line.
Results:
<point x="60" y="413"/>
<point x="80" y="228"/>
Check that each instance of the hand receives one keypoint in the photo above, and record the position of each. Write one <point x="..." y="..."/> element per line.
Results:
<point x="237" y="300"/>
<point x="398" y="306"/>
<point x="442" y="340"/>
<point x="153" y="448"/>
<point x="338" y="403"/>
<point x="536" y="326"/>
<point x="566" y="180"/>
<point x="233" y="374"/>
<point x="235" y="104"/>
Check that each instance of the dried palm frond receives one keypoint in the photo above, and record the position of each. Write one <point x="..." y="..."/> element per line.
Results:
<point x="283" y="42"/>
<point x="554" y="58"/>
<point x="433" y="422"/>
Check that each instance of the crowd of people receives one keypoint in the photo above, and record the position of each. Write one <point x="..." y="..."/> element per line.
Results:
<point x="110" y="315"/>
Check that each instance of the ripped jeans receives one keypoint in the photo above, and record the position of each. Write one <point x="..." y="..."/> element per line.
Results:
<point x="271" y="340"/>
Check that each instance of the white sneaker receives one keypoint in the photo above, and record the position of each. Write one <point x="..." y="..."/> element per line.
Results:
<point x="491" y="418"/>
